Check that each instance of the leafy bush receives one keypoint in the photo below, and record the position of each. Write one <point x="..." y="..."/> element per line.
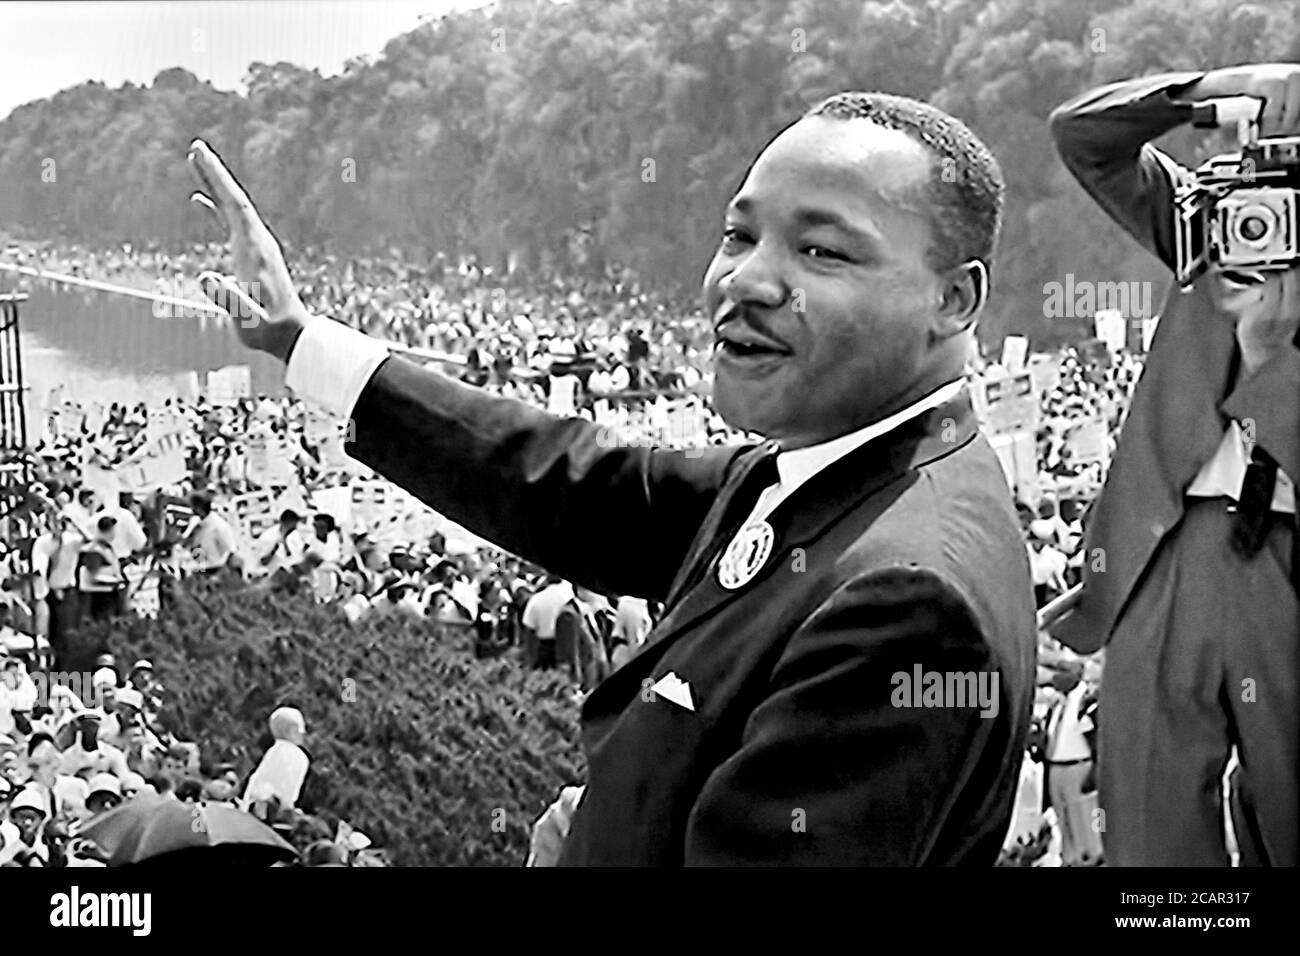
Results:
<point x="443" y="759"/>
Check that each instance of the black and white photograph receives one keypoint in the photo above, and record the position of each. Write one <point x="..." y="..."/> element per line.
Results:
<point x="648" y="434"/>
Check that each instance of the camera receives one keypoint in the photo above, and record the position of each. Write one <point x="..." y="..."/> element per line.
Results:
<point x="1240" y="211"/>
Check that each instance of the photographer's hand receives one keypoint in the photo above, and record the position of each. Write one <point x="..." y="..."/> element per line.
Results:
<point x="1277" y="84"/>
<point x="1269" y="322"/>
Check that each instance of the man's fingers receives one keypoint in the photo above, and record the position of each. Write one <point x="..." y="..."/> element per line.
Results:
<point x="220" y="182"/>
<point x="1270" y="116"/>
<point x="226" y="293"/>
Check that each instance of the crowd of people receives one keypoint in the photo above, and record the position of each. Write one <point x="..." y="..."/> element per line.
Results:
<point x="592" y="339"/>
<point x="69" y="754"/>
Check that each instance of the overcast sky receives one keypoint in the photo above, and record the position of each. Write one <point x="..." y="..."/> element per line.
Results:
<point x="46" y="47"/>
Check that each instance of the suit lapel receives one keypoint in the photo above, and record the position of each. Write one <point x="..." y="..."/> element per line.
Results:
<point x="799" y="519"/>
<point x="703" y="546"/>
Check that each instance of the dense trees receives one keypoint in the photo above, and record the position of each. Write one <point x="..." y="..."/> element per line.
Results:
<point x="509" y="133"/>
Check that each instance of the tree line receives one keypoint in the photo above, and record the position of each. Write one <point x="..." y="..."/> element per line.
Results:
<point x="573" y="134"/>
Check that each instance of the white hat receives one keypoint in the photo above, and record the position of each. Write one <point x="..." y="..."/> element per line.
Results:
<point x="105" y="783"/>
<point x="130" y="697"/>
<point x="105" y="675"/>
<point x="29" y="798"/>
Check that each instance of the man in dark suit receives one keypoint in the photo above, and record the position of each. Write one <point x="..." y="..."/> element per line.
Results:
<point x="1191" y="566"/>
<point x="843" y="671"/>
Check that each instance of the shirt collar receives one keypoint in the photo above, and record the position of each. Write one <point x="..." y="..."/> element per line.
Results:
<point x="797" y="466"/>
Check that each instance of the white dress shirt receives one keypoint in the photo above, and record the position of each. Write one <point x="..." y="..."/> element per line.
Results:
<point x="796" y="467"/>
<point x="1224" y="473"/>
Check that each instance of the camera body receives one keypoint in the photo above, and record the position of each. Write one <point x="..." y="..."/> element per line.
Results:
<point x="1241" y="211"/>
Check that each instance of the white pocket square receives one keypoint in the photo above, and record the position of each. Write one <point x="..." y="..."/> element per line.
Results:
<point x="672" y="687"/>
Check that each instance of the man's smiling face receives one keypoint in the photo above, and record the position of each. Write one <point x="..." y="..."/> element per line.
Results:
<point x="822" y="294"/>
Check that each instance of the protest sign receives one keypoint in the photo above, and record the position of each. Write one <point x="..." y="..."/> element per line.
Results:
<point x="1017" y="453"/>
<point x="563" y="392"/>
<point x="1045" y="372"/>
<point x="1014" y="350"/>
<point x="1009" y="403"/>
<point x="161" y="462"/>
<point x="1111" y="327"/>
<point x="1087" y="441"/>
<point x="228" y="385"/>
<point x="335" y="502"/>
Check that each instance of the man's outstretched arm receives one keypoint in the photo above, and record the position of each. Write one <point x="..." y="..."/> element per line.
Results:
<point x="550" y="489"/>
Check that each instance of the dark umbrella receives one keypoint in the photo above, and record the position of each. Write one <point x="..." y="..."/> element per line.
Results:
<point x="160" y="831"/>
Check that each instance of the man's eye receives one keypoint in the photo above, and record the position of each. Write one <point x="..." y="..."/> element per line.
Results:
<point x="822" y="252"/>
<point x="733" y="237"/>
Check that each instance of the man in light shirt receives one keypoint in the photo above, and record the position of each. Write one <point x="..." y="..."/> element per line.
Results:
<point x="129" y="537"/>
<point x="212" y="542"/>
<point x="88" y="752"/>
<point x="54" y="562"/>
<point x="1192" y="562"/>
<point x="280" y="547"/>
<point x="539" y="617"/>
<point x="869" y="541"/>
<point x="283" y="768"/>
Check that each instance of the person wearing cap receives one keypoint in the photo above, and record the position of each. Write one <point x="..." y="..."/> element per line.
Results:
<point x="103" y="684"/>
<point x="283" y="768"/>
<point x="142" y="678"/>
<point x="132" y="785"/>
<point x="280" y="547"/>
<point x="101" y="580"/>
<point x="9" y="833"/>
<point x="23" y="844"/>
<point x="87" y="751"/>
<point x="119" y="728"/>
<point x="105" y="793"/>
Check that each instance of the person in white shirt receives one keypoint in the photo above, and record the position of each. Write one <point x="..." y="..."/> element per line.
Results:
<point x="539" y="617"/>
<point x="79" y="513"/>
<point x="22" y="837"/>
<point x="211" y="542"/>
<point x="87" y="751"/>
<point x="54" y="562"/>
<point x="283" y="768"/>
<point x="281" y="547"/>
<point x="632" y="626"/>
<point x="128" y="538"/>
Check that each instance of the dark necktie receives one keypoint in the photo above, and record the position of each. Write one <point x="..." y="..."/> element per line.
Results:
<point x="1255" y="505"/>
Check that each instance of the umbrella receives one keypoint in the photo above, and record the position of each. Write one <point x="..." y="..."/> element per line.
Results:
<point x="161" y="831"/>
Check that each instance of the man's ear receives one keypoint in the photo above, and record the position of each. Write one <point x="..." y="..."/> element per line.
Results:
<point x="962" y="295"/>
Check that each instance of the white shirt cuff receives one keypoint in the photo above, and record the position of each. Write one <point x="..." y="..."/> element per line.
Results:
<point x="330" y="364"/>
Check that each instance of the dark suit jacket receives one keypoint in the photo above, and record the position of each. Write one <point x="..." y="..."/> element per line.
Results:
<point x="903" y="555"/>
<point x="1183" y="403"/>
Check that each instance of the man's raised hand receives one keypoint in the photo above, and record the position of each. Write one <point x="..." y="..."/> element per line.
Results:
<point x="260" y="297"/>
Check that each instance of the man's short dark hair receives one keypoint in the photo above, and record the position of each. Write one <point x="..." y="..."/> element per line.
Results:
<point x="35" y="740"/>
<point x="966" y="185"/>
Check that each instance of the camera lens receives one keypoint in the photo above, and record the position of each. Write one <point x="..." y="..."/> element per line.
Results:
<point x="1254" y="225"/>
<point x="1253" y="228"/>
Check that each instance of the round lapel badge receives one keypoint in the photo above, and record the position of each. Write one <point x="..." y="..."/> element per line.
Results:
<point x="746" y="555"/>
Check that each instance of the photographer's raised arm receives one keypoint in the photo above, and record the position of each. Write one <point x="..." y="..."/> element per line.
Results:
<point x="1104" y="136"/>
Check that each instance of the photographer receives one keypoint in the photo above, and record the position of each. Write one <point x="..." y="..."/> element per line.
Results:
<point x="1196" y="523"/>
